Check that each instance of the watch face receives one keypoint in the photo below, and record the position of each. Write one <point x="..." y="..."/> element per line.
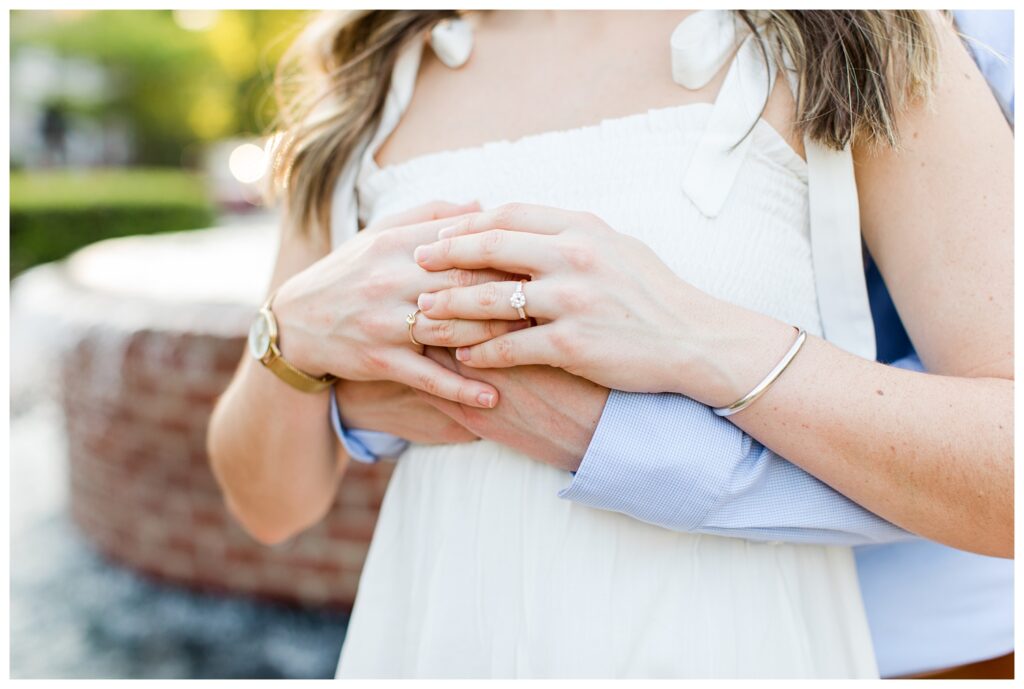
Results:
<point x="259" y="337"/>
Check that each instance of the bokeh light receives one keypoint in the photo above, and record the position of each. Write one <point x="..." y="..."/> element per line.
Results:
<point x="248" y="163"/>
<point x="195" y="20"/>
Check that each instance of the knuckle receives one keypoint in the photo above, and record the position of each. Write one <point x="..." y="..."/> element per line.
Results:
<point x="364" y="323"/>
<point x="474" y="419"/>
<point x="379" y="283"/>
<point x="459" y="277"/>
<point x="578" y="255"/>
<point x="385" y="241"/>
<point x="381" y="327"/>
<point x="463" y="225"/>
<point x="443" y="332"/>
<point x="442" y="302"/>
<point x="593" y="223"/>
<point x="376" y="362"/>
<point x="388" y="223"/>
<point x="568" y="298"/>
<point x="380" y="225"/>
<point x="436" y="208"/>
<point x="505" y="350"/>
<point x="506" y="214"/>
<point x="490" y="241"/>
<point x="487" y="294"/>
<point x="427" y="382"/>
<point x="560" y="342"/>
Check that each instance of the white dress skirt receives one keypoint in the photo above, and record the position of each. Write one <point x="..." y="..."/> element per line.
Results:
<point x="478" y="569"/>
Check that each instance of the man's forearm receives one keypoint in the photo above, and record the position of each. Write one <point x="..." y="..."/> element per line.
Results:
<point x="670" y="461"/>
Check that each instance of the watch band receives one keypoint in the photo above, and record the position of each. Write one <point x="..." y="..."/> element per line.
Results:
<point x="293" y="376"/>
<point x="273" y="360"/>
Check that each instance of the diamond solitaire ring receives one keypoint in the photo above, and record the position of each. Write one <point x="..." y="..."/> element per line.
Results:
<point x="518" y="300"/>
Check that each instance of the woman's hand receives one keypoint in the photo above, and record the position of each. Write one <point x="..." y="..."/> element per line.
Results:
<point x="345" y="314"/>
<point x="399" y="410"/>
<point x="607" y="307"/>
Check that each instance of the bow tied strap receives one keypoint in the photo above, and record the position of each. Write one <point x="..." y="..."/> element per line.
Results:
<point x="722" y="148"/>
<point x="700" y="45"/>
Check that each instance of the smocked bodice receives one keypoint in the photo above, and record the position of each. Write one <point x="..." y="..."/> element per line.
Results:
<point x="629" y="171"/>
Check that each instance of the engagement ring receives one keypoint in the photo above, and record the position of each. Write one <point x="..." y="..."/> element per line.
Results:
<point x="518" y="300"/>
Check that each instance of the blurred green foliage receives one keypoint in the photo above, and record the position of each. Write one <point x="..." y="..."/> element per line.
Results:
<point x="175" y="86"/>
<point x="54" y="213"/>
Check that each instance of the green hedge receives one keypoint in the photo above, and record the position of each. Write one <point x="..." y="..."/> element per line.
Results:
<point x="54" y="213"/>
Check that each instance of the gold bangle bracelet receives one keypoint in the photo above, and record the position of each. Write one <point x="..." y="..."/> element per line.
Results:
<point x="773" y="375"/>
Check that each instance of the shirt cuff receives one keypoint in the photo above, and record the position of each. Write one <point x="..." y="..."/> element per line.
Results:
<point x="653" y="457"/>
<point x="364" y="445"/>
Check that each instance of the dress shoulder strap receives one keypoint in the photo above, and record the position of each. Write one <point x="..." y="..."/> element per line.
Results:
<point x="836" y="244"/>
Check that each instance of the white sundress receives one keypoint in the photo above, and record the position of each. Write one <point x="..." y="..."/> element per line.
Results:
<point x="477" y="568"/>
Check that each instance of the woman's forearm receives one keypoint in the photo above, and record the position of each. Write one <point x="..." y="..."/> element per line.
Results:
<point x="273" y="453"/>
<point x="931" y="453"/>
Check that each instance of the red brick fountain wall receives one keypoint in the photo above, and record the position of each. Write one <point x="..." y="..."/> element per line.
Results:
<point x="137" y="393"/>
<point x="142" y="488"/>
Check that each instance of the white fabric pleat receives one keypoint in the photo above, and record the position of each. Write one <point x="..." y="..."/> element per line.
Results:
<point x="477" y="570"/>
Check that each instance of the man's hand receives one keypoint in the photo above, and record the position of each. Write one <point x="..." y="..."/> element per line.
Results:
<point x="545" y="412"/>
<point x="393" y="408"/>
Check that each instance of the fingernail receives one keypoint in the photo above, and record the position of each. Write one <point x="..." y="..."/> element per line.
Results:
<point x="422" y="253"/>
<point x="486" y="399"/>
<point x="446" y="232"/>
<point x="462" y="353"/>
<point x="425" y="302"/>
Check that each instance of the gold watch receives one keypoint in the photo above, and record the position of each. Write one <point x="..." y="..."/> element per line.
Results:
<point x="263" y="346"/>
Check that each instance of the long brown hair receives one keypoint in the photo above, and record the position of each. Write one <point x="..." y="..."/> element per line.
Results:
<point x="856" y="69"/>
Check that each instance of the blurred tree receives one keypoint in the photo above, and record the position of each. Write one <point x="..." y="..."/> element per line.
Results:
<point x="176" y="79"/>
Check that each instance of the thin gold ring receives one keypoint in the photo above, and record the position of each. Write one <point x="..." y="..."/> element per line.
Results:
<point x="411" y="322"/>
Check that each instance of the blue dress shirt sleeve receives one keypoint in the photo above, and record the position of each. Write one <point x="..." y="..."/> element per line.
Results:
<point x="990" y="42"/>
<point x="670" y="461"/>
<point x="363" y="445"/>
